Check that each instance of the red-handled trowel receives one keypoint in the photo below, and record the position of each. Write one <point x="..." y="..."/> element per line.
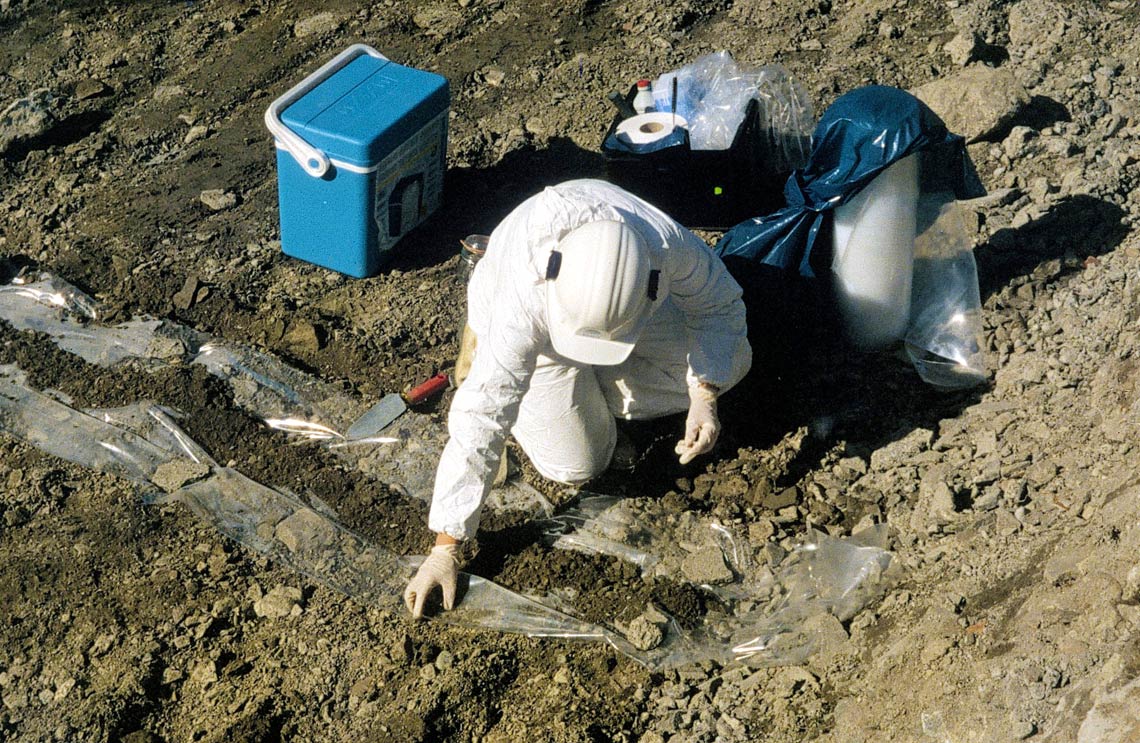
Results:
<point x="392" y="406"/>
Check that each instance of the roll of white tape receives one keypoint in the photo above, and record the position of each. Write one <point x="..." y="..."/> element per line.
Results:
<point x="645" y="129"/>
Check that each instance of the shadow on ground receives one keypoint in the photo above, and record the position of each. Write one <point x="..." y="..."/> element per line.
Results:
<point x="1073" y="229"/>
<point x="477" y="199"/>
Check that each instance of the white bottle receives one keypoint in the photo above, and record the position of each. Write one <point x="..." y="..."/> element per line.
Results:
<point x="643" y="100"/>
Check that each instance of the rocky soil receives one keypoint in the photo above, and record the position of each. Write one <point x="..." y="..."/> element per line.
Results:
<point x="134" y="164"/>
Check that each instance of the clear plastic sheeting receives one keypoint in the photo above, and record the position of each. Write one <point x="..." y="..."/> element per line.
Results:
<point x="84" y="439"/>
<point x="52" y="306"/>
<point x="408" y="457"/>
<point x="770" y="611"/>
<point x="273" y="390"/>
<point x="156" y="425"/>
<point x="598" y="525"/>
<point x="766" y="615"/>
<point x="404" y="454"/>
<point x="823" y="576"/>
<point x="285" y="529"/>
<point x="261" y="384"/>
<point x="49" y="291"/>
<point x="646" y="534"/>
<point x="312" y="542"/>
<point x="713" y="93"/>
<point x="138" y="441"/>
<point x="484" y="603"/>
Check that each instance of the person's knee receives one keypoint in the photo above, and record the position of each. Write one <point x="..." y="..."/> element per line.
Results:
<point x="571" y="457"/>
<point x="572" y="474"/>
<point x="565" y="427"/>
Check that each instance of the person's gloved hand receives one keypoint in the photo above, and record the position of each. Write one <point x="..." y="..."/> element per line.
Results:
<point x="440" y="568"/>
<point x="701" y="426"/>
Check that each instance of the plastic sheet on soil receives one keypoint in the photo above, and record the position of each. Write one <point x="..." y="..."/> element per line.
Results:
<point x="403" y="455"/>
<point x="137" y="442"/>
<point x="766" y="609"/>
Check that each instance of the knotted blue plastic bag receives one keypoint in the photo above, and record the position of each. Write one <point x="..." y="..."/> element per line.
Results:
<point x="859" y="136"/>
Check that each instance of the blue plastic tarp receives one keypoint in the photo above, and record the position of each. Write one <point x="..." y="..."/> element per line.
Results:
<point x="861" y="134"/>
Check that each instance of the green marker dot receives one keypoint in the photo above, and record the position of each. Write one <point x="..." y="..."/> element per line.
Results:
<point x="717" y="190"/>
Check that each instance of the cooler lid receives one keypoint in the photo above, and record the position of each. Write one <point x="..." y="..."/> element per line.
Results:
<point x="366" y="109"/>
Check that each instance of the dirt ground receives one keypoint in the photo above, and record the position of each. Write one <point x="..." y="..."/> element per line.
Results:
<point x="1013" y="509"/>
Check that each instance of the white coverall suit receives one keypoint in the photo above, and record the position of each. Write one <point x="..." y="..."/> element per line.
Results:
<point x="562" y="412"/>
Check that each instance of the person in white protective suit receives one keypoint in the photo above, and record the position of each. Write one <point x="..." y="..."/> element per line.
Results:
<point x="589" y="305"/>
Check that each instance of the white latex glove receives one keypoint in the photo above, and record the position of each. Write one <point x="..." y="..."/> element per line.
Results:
<point x="440" y="568"/>
<point x="701" y="426"/>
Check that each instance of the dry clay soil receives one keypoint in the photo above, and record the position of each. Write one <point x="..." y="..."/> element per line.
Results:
<point x="1012" y="508"/>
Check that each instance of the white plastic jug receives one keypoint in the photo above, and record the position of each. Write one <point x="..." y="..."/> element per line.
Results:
<point x="873" y="260"/>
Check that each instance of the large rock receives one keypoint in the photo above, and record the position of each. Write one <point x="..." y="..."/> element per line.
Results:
<point x="218" y="199"/>
<point x="25" y="119"/>
<point x="644" y="634"/>
<point x="281" y="601"/>
<point x="979" y="102"/>
<point x="964" y="48"/>
<point x="305" y="531"/>
<point x="177" y="473"/>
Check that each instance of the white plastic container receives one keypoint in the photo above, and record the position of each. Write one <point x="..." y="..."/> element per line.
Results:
<point x="643" y="99"/>
<point x="873" y="262"/>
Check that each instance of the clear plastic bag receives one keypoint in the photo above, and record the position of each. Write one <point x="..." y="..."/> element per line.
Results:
<point x="851" y="187"/>
<point x="903" y="269"/>
<point x="713" y="93"/>
<point x="944" y="336"/>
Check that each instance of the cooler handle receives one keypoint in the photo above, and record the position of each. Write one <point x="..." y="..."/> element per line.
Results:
<point x="315" y="162"/>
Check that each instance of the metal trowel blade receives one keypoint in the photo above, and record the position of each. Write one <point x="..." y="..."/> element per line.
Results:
<point x="377" y="417"/>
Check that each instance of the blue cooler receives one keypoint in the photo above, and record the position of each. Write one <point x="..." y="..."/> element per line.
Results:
<point x="361" y="152"/>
